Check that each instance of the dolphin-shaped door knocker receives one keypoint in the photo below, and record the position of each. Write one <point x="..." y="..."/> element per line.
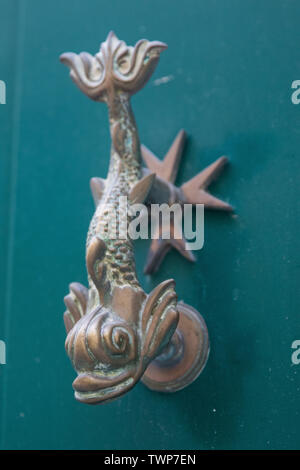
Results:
<point x="117" y="333"/>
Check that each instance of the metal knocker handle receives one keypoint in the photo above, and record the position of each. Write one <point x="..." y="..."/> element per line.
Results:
<point x="118" y="334"/>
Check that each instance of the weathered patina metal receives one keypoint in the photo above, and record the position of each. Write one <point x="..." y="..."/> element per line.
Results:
<point x="115" y="330"/>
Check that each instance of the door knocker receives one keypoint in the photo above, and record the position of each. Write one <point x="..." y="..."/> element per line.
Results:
<point x="116" y="333"/>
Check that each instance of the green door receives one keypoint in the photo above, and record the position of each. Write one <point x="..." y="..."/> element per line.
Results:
<point x="229" y="69"/>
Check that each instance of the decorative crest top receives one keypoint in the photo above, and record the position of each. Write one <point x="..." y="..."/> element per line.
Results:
<point x="116" y="67"/>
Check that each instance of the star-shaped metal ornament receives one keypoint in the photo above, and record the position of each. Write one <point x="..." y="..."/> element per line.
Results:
<point x="191" y="192"/>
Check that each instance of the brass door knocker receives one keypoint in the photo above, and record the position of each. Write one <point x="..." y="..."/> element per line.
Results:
<point x="118" y="334"/>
